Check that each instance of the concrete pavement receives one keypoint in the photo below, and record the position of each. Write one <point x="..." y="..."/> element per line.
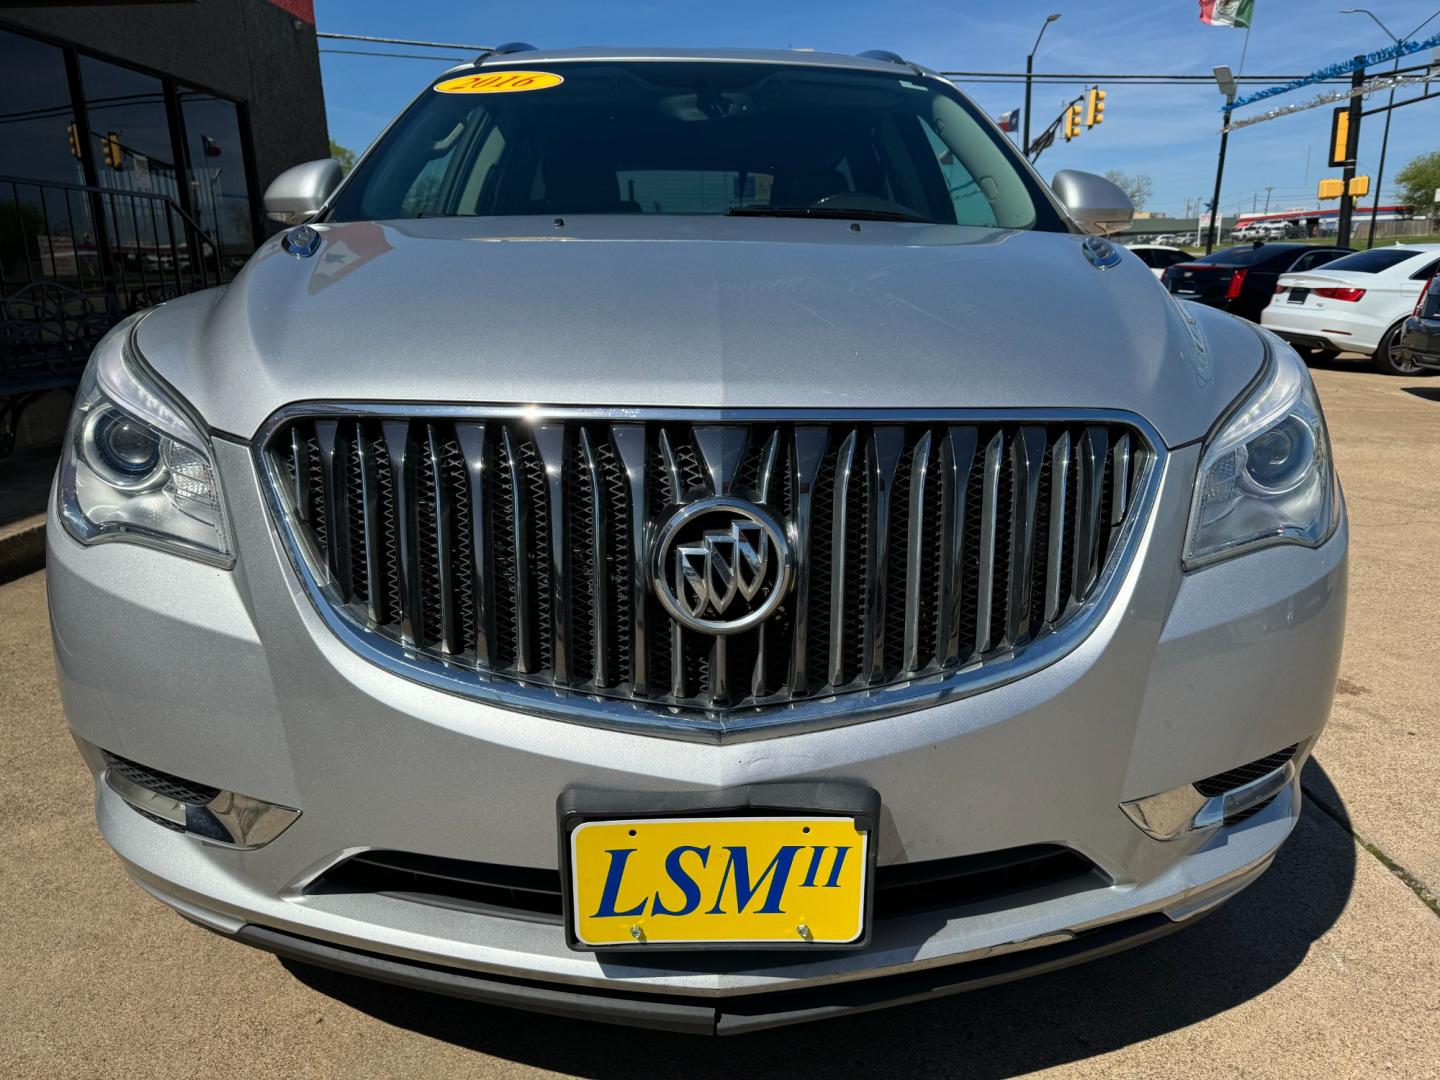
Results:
<point x="1384" y="733"/>
<point x="1329" y="966"/>
<point x="24" y="487"/>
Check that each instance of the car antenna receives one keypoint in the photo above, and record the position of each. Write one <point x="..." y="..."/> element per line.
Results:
<point x="502" y="50"/>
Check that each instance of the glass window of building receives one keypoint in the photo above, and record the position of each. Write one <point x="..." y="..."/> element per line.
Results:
<point x="153" y="255"/>
<point x="35" y="116"/>
<point x="219" y="190"/>
<point x="45" y="232"/>
<point x="129" y="128"/>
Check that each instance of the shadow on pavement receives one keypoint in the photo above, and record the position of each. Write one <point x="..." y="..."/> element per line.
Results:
<point x="1348" y="363"/>
<point x="25" y="482"/>
<point x="1235" y="954"/>
<point x="1429" y="393"/>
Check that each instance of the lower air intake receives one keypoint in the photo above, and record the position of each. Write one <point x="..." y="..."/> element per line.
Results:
<point x="535" y="895"/>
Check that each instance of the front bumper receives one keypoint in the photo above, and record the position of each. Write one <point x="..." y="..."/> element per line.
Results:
<point x="727" y="1016"/>
<point x="232" y="678"/>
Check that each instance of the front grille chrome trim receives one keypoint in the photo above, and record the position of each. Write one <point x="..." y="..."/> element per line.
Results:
<point x="816" y="432"/>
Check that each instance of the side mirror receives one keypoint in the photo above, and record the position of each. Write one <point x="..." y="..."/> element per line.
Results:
<point x="1100" y="206"/>
<point x="298" y="193"/>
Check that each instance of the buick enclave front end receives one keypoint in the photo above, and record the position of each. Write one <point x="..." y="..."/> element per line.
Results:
<point x="703" y="540"/>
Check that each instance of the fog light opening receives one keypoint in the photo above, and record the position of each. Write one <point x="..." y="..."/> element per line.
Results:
<point x="1227" y="798"/>
<point x="212" y="814"/>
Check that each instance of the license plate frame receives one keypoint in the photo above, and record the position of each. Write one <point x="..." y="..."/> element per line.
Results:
<point x="1298" y="296"/>
<point x="803" y="800"/>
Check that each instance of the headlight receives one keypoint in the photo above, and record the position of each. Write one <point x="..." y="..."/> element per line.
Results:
<point x="136" y="467"/>
<point x="1266" y="476"/>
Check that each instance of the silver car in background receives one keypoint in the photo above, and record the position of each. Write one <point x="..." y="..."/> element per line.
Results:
<point x="695" y="539"/>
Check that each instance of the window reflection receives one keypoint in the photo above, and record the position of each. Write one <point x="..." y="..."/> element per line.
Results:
<point x="45" y="232"/>
<point x="219" y="190"/>
<point x="129" y="191"/>
<point x="129" y="128"/>
<point x="35" y="115"/>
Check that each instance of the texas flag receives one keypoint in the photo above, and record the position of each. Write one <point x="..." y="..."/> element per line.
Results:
<point x="1009" y="121"/>
<point x="1227" y="12"/>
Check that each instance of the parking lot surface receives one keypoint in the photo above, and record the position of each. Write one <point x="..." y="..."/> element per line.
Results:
<point x="1328" y="966"/>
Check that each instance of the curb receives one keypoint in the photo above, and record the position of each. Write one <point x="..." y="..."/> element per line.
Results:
<point x="22" y="547"/>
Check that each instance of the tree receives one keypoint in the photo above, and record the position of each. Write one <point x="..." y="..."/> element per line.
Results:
<point x="1138" y="187"/>
<point x="344" y="155"/>
<point x="1419" y="181"/>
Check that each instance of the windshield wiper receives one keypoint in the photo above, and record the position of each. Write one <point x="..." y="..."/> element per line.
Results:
<point x="824" y="212"/>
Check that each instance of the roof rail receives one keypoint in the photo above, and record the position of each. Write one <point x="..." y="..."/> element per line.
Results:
<point x="508" y="47"/>
<point x="883" y="54"/>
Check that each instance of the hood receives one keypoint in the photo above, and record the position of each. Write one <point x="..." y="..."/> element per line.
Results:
<point x="715" y="312"/>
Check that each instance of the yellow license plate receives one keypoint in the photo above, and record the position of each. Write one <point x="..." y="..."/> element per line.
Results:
<point x="699" y="881"/>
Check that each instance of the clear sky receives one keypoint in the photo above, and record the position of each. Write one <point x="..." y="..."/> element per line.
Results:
<point x="1170" y="133"/>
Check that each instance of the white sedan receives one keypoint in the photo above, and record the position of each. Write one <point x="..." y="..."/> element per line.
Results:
<point x="1355" y="304"/>
<point x="1159" y="256"/>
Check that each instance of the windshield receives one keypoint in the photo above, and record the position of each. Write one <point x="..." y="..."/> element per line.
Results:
<point x="1372" y="261"/>
<point x="653" y="137"/>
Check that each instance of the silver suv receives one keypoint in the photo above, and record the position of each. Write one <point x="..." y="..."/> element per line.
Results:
<point x="695" y="539"/>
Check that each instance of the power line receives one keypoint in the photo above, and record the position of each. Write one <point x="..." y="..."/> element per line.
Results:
<point x="996" y="77"/>
<point x="399" y="56"/>
<point x="407" y="41"/>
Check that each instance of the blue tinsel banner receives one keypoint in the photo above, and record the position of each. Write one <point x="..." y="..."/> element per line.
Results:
<point x="1390" y="52"/>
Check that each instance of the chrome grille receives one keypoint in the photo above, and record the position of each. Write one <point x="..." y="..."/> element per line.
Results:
<point x="512" y="548"/>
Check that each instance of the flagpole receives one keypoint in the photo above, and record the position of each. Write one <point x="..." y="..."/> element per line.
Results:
<point x="1243" y="50"/>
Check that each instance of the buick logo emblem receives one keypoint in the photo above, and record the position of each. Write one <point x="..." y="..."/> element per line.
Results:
<point x="720" y="566"/>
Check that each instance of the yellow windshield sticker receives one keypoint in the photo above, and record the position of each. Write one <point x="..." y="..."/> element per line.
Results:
<point x="500" y="82"/>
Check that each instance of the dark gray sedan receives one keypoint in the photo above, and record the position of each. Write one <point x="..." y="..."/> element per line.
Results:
<point x="1420" y="337"/>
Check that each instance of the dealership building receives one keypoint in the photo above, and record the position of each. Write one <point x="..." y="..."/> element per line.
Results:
<point x="135" y="142"/>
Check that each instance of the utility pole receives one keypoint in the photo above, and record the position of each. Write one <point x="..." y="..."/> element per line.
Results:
<point x="1268" y="190"/>
<point x="1352" y="151"/>
<point x="1385" y="139"/>
<point x="1030" y="70"/>
<point x="1226" y="81"/>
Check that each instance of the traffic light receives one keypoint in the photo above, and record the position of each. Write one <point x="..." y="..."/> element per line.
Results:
<point x="74" y="134"/>
<point x="114" y="152"/>
<point x="1340" y="137"/>
<point x="1359" y="186"/>
<point x="1072" y="122"/>
<point x="1331" y="189"/>
<point x="1096" y="111"/>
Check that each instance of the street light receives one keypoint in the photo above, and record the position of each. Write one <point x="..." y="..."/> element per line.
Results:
<point x="1389" y="108"/>
<point x="1029" y="68"/>
<point x="1225" y="80"/>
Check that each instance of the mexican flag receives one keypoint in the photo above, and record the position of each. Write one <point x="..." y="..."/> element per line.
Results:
<point x="1227" y="12"/>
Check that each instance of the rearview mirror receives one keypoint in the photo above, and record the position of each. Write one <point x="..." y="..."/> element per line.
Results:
<point x="298" y="193"/>
<point x="1099" y="206"/>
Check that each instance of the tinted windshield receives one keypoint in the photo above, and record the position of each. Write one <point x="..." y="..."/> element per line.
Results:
<point x="694" y="138"/>
<point x="1373" y="261"/>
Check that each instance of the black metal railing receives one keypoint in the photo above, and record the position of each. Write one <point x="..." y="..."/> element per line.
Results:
<point x="74" y="260"/>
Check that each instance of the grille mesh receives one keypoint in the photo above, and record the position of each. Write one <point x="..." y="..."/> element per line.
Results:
<point x="1241" y="775"/>
<point x="509" y="547"/>
<point x="163" y="783"/>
